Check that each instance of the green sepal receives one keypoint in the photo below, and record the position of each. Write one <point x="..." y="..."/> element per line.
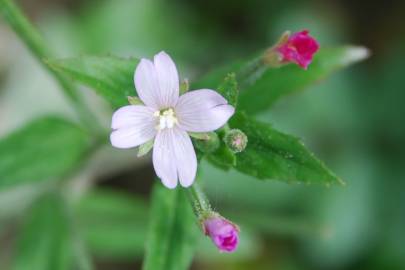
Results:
<point x="201" y="135"/>
<point x="209" y="143"/>
<point x="184" y="86"/>
<point x="134" y="100"/>
<point x="145" y="148"/>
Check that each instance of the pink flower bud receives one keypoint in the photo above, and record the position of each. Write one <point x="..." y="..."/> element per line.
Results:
<point x="223" y="233"/>
<point x="298" y="48"/>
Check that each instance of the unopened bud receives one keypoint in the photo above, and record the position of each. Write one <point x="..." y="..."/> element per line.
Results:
<point x="236" y="140"/>
<point x="296" y="48"/>
<point x="223" y="233"/>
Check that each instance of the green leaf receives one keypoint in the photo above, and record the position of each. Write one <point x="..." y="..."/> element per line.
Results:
<point x="45" y="149"/>
<point x="271" y="154"/>
<point x="110" y="76"/>
<point x="171" y="237"/>
<point x="113" y="223"/>
<point x="261" y="86"/>
<point x="229" y="89"/>
<point x="44" y="243"/>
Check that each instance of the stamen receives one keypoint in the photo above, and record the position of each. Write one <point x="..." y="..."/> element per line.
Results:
<point x="167" y="119"/>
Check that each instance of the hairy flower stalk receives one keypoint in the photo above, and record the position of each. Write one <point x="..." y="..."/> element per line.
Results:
<point x="164" y="118"/>
<point x="223" y="233"/>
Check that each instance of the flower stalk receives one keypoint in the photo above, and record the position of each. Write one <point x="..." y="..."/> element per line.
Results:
<point x="200" y="203"/>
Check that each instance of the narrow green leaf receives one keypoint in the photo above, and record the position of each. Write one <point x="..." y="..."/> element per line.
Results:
<point x="45" y="149"/>
<point x="13" y="15"/>
<point x="171" y="237"/>
<point x="261" y="86"/>
<point x="44" y="242"/>
<point x="110" y="76"/>
<point x="276" y="83"/>
<point x="113" y="223"/>
<point x="271" y="154"/>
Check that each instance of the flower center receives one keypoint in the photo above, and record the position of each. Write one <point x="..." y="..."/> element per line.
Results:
<point x="167" y="118"/>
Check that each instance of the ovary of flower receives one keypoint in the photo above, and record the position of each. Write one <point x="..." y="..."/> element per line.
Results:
<point x="166" y="118"/>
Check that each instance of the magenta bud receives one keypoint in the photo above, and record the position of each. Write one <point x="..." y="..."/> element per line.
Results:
<point x="223" y="233"/>
<point x="299" y="48"/>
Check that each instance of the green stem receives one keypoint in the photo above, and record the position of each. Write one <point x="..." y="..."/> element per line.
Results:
<point x="199" y="201"/>
<point x="36" y="44"/>
<point x="83" y="260"/>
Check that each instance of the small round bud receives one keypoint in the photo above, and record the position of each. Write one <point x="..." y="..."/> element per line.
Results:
<point x="208" y="144"/>
<point x="236" y="140"/>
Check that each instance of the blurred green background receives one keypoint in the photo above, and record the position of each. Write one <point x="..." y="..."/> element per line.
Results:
<point x="353" y="121"/>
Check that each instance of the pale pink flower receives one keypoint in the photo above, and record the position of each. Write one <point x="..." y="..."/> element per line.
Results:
<point x="223" y="233"/>
<point x="166" y="117"/>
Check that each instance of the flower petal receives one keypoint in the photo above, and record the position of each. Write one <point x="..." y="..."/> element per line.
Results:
<point x="168" y="78"/>
<point x="186" y="158"/>
<point x="202" y="111"/>
<point x="134" y="125"/>
<point x="164" y="161"/>
<point x="174" y="157"/>
<point x="147" y="84"/>
<point x="132" y="115"/>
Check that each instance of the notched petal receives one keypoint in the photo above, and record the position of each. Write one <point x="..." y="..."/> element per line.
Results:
<point x="203" y="111"/>
<point x="133" y="125"/>
<point x="147" y="84"/>
<point x="168" y="79"/>
<point x="164" y="161"/>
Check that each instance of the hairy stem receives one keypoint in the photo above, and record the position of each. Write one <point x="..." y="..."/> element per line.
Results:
<point x="36" y="44"/>
<point x="199" y="201"/>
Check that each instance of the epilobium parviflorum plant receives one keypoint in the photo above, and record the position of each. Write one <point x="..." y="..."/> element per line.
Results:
<point x="154" y="109"/>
